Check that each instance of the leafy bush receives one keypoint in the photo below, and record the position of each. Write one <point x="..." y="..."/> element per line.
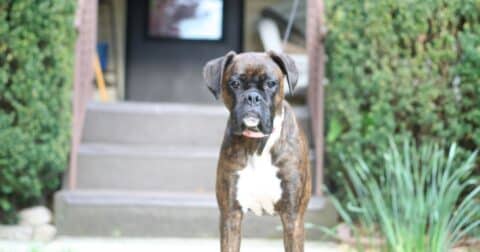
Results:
<point x="422" y="200"/>
<point x="36" y="70"/>
<point x="399" y="68"/>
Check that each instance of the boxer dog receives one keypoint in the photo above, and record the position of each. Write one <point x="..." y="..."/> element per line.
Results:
<point x="263" y="165"/>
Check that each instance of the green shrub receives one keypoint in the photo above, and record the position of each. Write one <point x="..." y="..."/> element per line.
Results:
<point x="423" y="200"/>
<point x="401" y="68"/>
<point x="36" y="71"/>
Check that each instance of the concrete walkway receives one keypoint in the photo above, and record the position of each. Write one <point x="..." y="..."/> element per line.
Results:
<point x="66" y="244"/>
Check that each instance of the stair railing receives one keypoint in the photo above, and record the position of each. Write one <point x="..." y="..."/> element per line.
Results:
<point x="86" y="26"/>
<point x="316" y="33"/>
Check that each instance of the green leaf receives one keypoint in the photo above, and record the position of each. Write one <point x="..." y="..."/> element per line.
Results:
<point x="334" y="130"/>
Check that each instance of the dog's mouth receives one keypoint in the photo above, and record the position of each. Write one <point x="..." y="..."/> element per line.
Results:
<point x="251" y="126"/>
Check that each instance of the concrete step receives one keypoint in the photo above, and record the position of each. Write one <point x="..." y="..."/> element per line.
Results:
<point x="160" y="123"/>
<point x="147" y="167"/>
<point x="142" y="214"/>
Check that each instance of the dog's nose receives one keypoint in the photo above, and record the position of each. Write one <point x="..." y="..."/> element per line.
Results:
<point x="253" y="98"/>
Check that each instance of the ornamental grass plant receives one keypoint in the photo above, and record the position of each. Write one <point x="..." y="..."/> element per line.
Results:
<point x="424" y="200"/>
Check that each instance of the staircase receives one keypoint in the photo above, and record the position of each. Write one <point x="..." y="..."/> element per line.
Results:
<point x="148" y="170"/>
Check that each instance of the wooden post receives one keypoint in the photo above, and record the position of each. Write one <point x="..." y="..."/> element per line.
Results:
<point x="86" y="25"/>
<point x="316" y="75"/>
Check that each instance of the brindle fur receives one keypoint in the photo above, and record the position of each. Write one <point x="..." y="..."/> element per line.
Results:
<point x="289" y="154"/>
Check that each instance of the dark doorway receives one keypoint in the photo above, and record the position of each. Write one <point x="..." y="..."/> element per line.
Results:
<point x="170" y="70"/>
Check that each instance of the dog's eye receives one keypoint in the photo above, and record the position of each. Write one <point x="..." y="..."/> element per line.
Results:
<point x="271" y="84"/>
<point x="235" y="84"/>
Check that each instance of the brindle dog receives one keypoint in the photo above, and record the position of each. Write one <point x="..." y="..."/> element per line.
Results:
<point x="263" y="165"/>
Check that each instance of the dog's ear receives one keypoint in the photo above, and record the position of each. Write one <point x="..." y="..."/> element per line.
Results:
<point x="213" y="72"/>
<point x="288" y="67"/>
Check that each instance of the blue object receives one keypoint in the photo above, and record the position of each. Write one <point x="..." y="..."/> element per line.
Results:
<point x="102" y="50"/>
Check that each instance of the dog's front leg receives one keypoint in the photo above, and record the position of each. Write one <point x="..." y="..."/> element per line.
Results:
<point x="231" y="230"/>
<point x="293" y="232"/>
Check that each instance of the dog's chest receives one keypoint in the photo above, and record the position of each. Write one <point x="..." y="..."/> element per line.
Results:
<point x="258" y="187"/>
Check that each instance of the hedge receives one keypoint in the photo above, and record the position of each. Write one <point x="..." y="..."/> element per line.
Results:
<point x="36" y="70"/>
<point x="401" y="67"/>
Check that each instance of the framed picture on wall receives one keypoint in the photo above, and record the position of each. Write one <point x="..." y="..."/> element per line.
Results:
<point x="186" y="19"/>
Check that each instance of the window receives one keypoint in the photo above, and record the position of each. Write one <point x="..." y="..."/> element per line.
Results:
<point x="186" y="19"/>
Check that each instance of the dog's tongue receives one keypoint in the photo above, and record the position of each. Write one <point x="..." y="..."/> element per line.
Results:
<point x="253" y="134"/>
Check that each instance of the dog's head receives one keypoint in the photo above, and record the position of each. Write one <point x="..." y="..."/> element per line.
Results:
<point x="251" y="86"/>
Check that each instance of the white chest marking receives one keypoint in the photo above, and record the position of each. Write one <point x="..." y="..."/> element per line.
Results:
<point x="258" y="187"/>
